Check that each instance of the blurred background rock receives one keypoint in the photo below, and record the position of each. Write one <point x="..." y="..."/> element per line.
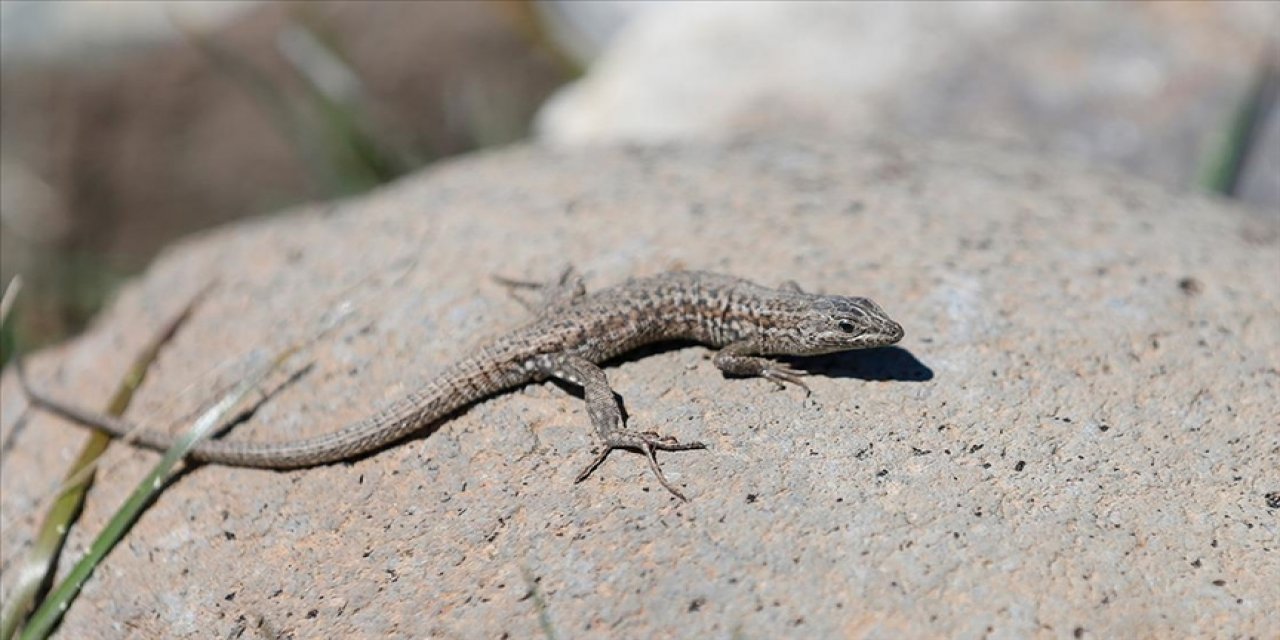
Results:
<point x="127" y="124"/>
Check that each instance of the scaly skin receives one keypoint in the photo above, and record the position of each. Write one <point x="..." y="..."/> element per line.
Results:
<point x="571" y="334"/>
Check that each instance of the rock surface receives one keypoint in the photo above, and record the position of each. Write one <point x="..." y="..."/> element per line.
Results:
<point x="1077" y="437"/>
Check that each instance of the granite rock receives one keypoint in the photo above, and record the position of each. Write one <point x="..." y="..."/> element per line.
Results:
<point x="1077" y="436"/>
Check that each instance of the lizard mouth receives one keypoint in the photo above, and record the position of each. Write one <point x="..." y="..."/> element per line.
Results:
<point x="894" y="334"/>
<point x="883" y="336"/>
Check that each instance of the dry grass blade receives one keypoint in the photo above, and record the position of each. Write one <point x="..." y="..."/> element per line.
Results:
<point x="36" y="569"/>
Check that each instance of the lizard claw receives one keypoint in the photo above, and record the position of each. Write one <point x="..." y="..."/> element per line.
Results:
<point x="782" y="374"/>
<point x="647" y="443"/>
<point x="596" y="462"/>
<point x="669" y="443"/>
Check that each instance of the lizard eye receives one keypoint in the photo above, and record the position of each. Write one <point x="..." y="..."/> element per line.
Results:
<point x="846" y="327"/>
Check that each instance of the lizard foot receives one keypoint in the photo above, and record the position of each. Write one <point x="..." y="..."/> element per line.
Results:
<point x="647" y="443"/>
<point x="781" y="374"/>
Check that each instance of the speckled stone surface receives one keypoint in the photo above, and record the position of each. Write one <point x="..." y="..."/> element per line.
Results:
<point x="1077" y="438"/>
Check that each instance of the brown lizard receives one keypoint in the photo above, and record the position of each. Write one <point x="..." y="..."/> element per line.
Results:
<point x="571" y="334"/>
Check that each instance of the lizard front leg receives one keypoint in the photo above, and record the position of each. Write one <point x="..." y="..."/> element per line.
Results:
<point x="606" y="416"/>
<point x="740" y="359"/>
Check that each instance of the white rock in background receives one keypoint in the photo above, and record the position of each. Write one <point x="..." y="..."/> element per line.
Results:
<point x="1149" y="89"/>
<point x="682" y="71"/>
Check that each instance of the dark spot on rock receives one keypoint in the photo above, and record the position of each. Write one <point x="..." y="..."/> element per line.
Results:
<point x="228" y="535"/>
<point x="313" y="613"/>
<point x="1273" y="500"/>
<point x="230" y="596"/>
<point x="751" y="498"/>
<point x="1078" y="633"/>
<point x="1190" y="286"/>
<point x="696" y="604"/>
<point x="1219" y="583"/>
<point x="1022" y="464"/>
<point x="882" y="473"/>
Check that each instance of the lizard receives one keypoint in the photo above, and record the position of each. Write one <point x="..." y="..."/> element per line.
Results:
<point x="571" y="334"/>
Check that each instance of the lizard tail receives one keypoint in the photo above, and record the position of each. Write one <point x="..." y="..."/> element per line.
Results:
<point x="393" y="423"/>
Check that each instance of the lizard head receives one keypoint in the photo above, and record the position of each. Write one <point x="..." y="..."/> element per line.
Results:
<point x="829" y="324"/>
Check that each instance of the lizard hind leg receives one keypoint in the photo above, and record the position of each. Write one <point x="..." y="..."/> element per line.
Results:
<point x="790" y="285"/>
<point x="606" y="417"/>
<point x="555" y="295"/>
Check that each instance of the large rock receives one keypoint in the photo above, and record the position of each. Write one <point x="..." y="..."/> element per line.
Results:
<point x="1077" y="436"/>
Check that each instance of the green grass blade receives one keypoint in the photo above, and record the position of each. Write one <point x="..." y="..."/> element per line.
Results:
<point x="41" y="560"/>
<point x="10" y="294"/>
<point x="1223" y="171"/>
<point x="51" y="611"/>
<point x="539" y="603"/>
<point x="6" y="305"/>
